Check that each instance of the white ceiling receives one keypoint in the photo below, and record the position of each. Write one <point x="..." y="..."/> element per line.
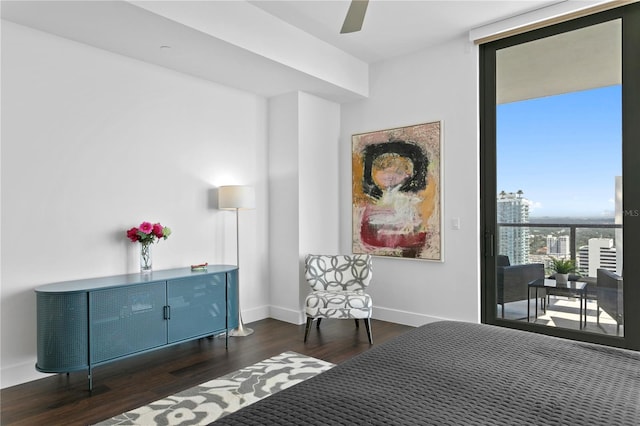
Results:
<point x="263" y="46"/>
<point x="395" y="27"/>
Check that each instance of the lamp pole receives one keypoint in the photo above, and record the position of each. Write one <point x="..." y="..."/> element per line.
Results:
<point x="236" y="197"/>
<point x="241" y="330"/>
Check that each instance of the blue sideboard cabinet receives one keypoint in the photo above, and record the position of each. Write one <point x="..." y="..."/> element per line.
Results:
<point x="85" y="323"/>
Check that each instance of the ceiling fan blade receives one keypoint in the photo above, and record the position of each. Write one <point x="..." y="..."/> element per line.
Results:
<point x="355" y="16"/>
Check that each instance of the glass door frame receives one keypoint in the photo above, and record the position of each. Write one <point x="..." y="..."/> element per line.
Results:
<point x="630" y="16"/>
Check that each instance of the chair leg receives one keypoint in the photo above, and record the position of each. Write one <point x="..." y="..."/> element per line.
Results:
<point x="367" y="324"/>
<point x="318" y="323"/>
<point x="307" y="328"/>
<point x="357" y="323"/>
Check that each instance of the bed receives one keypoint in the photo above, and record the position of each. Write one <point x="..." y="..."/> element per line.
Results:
<point x="456" y="373"/>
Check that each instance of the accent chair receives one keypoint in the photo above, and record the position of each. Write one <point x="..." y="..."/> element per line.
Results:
<point x="338" y="284"/>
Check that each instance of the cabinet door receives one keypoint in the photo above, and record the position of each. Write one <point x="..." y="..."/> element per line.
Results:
<point x="126" y="320"/>
<point x="196" y="306"/>
<point x="62" y="332"/>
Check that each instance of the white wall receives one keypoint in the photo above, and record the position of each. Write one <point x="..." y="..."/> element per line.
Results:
<point x="436" y="84"/>
<point x="303" y="174"/>
<point x="94" y="143"/>
<point x="319" y="182"/>
<point x="284" y="218"/>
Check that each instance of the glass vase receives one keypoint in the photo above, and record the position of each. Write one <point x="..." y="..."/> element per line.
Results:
<point x="146" y="257"/>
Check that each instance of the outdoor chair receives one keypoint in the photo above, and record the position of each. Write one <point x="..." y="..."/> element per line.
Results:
<point x="609" y="296"/>
<point x="513" y="280"/>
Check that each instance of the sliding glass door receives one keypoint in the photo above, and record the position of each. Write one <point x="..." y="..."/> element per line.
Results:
<point x="558" y="193"/>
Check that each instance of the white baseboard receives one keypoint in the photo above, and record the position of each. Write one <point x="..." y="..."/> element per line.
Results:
<point x="287" y="315"/>
<point x="297" y="317"/>
<point x="403" y="317"/>
<point x="255" y="314"/>
<point x="20" y="373"/>
<point x="276" y="312"/>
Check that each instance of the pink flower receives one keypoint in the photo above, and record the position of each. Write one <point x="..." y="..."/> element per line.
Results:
<point x="148" y="233"/>
<point x="158" y="230"/>
<point x="132" y="234"/>
<point x="146" y="227"/>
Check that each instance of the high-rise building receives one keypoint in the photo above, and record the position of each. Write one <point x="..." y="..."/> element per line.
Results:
<point x="513" y="241"/>
<point x="558" y="246"/>
<point x="582" y="260"/>
<point x="600" y="253"/>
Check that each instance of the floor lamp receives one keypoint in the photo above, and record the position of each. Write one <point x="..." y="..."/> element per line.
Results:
<point x="237" y="197"/>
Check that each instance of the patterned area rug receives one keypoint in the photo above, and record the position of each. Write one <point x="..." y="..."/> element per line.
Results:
<point x="212" y="400"/>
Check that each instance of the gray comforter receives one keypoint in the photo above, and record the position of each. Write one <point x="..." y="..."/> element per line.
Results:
<point x="453" y="373"/>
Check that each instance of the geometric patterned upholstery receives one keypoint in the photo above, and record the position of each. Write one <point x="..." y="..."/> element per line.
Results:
<point x="338" y="283"/>
<point x="338" y="304"/>
<point x="335" y="273"/>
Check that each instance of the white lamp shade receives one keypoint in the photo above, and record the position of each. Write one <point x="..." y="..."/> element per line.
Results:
<point x="236" y="197"/>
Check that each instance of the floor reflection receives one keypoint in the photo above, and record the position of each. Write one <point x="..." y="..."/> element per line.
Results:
<point x="564" y="312"/>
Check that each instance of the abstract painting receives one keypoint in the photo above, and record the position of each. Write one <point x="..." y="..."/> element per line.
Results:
<point x="396" y="189"/>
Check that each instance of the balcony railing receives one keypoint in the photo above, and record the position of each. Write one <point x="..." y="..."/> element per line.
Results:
<point x="574" y="230"/>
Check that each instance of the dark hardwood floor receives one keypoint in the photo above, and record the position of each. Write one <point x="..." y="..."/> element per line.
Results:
<point x="124" y="385"/>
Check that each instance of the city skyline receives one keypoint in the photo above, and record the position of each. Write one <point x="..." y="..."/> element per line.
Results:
<point x="562" y="151"/>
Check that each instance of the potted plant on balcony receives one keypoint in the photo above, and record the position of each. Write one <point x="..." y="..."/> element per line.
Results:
<point x="563" y="267"/>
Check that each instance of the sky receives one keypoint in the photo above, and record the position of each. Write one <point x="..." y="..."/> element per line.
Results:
<point x="562" y="151"/>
